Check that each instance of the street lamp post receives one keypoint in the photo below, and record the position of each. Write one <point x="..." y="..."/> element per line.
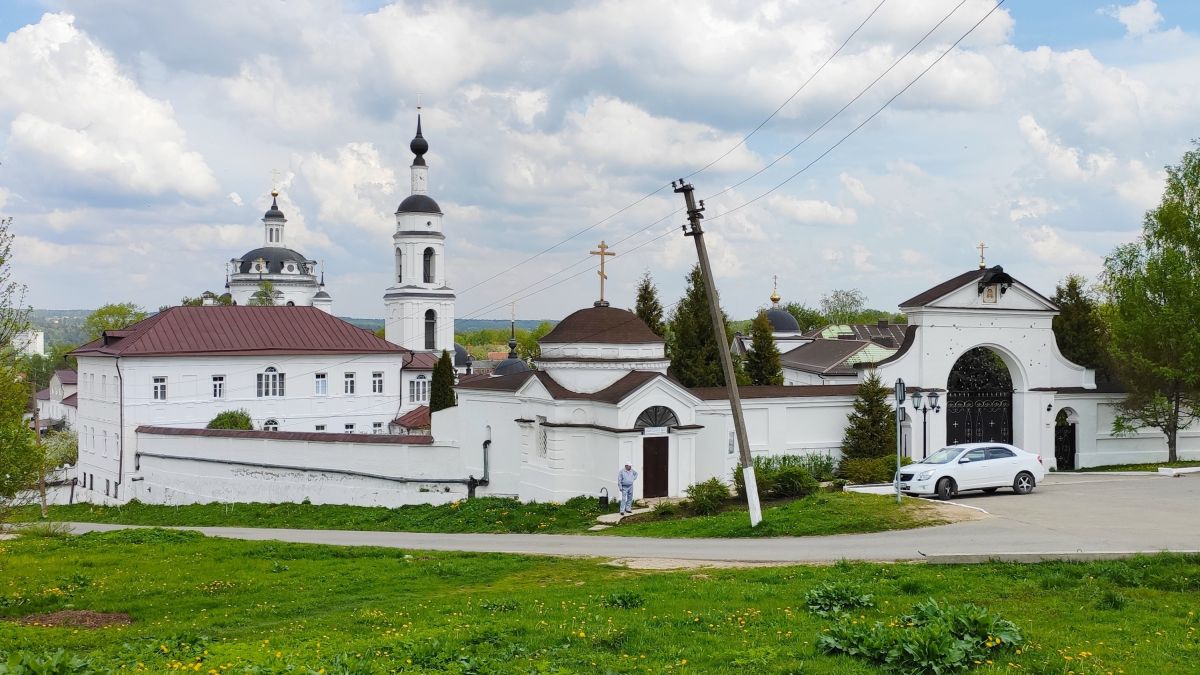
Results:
<point x="923" y="405"/>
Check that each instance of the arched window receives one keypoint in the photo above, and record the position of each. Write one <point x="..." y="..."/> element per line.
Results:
<point x="270" y="382"/>
<point x="290" y="303"/>
<point x="430" y="328"/>
<point x="418" y="390"/>
<point x="656" y="416"/>
<point x="399" y="266"/>
<point x="271" y="425"/>
<point x="429" y="265"/>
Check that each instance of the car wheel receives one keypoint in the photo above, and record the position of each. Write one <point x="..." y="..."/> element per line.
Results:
<point x="990" y="490"/>
<point x="945" y="489"/>
<point x="1023" y="484"/>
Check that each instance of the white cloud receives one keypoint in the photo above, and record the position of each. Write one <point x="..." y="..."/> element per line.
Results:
<point x="810" y="211"/>
<point x="354" y="188"/>
<point x="1049" y="247"/>
<point x="263" y="89"/>
<point x="856" y="188"/>
<point x="1063" y="161"/>
<point x="1140" y="18"/>
<point x="76" y="110"/>
<point x="235" y="198"/>
<point x="1142" y="187"/>
<point x="1024" y="207"/>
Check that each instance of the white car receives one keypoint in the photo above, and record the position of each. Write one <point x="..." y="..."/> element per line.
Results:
<point x="973" y="466"/>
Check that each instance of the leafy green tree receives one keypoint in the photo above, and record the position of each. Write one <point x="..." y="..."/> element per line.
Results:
<point x="871" y="426"/>
<point x="20" y="457"/>
<point x="842" y="306"/>
<point x="527" y="341"/>
<point x="807" y="317"/>
<point x="264" y="296"/>
<point x="762" y="363"/>
<point x="1079" y="327"/>
<point x="1153" y="291"/>
<point x="648" y="308"/>
<point x="238" y="420"/>
<point x="14" y="313"/>
<point x="112" y="317"/>
<point x="441" y="389"/>
<point x="224" y="299"/>
<point x="695" y="359"/>
<point x="40" y="368"/>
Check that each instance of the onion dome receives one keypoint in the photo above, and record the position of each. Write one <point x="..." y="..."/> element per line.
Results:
<point x="274" y="213"/>
<point x="419" y="146"/>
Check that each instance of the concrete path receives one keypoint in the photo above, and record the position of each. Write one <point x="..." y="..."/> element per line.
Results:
<point x="1068" y="515"/>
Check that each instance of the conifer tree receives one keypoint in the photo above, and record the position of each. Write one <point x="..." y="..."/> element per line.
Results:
<point x="871" y="427"/>
<point x="695" y="359"/>
<point x="648" y="308"/>
<point x="441" y="390"/>
<point x="762" y="363"/>
<point x="1079" y="327"/>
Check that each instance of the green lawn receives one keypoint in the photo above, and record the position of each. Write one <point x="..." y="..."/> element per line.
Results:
<point x="825" y="513"/>
<point x="1153" y="466"/>
<point x="215" y="606"/>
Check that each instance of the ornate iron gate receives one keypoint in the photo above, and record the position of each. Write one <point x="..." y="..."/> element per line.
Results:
<point x="1064" y="446"/>
<point x="979" y="400"/>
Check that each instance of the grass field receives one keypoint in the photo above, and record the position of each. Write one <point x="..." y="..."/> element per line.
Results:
<point x="825" y="513"/>
<point x="216" y="606"/>
<point x="1153" y="466"/>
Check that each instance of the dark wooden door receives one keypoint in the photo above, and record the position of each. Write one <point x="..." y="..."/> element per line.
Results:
<point x="655" y="454"/>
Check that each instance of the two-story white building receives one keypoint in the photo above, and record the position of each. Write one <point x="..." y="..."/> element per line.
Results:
<point x="57" y="403"/>
<point x="291" y="368"/>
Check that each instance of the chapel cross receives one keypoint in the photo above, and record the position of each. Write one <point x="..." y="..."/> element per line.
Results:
<point x="603" y="253"/>
<point x="981" y="246"/>
<point x="274" y="181"/>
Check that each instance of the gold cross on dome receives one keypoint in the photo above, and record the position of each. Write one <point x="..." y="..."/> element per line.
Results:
<point x="981" y="246"/>
<point x="603" y="252"/>
<point x="274" y="182"/>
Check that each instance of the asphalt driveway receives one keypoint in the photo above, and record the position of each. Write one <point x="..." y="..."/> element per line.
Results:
<point x="1067" y="515"/>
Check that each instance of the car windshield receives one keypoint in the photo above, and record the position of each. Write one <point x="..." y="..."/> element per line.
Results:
<point x="943" y="456"/>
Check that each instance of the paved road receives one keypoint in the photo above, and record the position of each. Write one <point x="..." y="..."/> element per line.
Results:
<point x="1067" y="514"/>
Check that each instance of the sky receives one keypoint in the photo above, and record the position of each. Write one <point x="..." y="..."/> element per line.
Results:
<point x="138" y="142"/>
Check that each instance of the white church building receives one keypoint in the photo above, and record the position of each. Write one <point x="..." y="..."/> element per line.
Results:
<point x="600" y="395"/>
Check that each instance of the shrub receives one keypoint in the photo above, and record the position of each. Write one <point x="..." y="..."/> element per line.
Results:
<point x="666" y="510"/>
<point x="707" y="497"/>
<point x="873" y="470"/>
<point x="793" y="470"/>
<point x="820" y="466"/>
<point x="623" y="600"/>
<point x="47" y="663"/>
<point x="232" y="419"/>
<point x="831" y="599"/>
<point x="793" y="481"/>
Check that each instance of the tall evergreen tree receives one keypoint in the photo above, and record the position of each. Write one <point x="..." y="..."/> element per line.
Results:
<point x="1153" y="305"/>
<point x="695" y="359"/>
<point x="648" y="308"/>
<point x="762" y="363"/>
<point x="807" y="317"/>
<point x="1079" y="328"/>
<point x="871" y="427"/>
<point x="441" y="390"/>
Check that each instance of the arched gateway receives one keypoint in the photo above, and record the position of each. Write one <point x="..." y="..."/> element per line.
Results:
<point x="979" y="405"/>
<point x="654" y="422"/>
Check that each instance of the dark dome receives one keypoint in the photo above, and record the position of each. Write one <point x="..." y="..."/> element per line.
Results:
<point x="509" y="366"/>
<point x="461" y="357"/>
<point x="274" y="213"/>
<point x="322" y="295"/>
<point x="602" y="325"/>
<point x="418" y="204"/>
<point x="782" y="321"/>
<point x="276" y="257"/>
<point x="419" y="146"/>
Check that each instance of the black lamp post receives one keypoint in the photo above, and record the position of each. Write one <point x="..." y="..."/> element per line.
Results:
<point x="924" y="404"/>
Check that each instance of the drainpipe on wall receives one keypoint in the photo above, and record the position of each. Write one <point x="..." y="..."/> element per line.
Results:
<point x="120" y="423"/>
<point x="472" y="481"/>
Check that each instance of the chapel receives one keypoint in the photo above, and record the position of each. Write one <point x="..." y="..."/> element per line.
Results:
<point x="292" y="274"/>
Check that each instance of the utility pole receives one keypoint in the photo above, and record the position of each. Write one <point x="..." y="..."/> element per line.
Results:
<point x="714" y="308"/>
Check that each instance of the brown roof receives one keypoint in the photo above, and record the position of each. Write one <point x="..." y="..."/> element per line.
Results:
<point x="823" y="356"/>
<point x="502" y="383"/>
<point x="881" y="332"/>
<point x="238" y="330"/>
<point x="950" y="285"/>
<point x="417" y="418"/>
<point x="42" y="395"/>
<point x="71" y="401"/>
<point x="317" y="436"/>
<point x="422" y="361"/>
<point x="777" y="391"/>
<point x="601" y="325"/>
<point x="67" y="376"/>
<point x="613" y="393"/>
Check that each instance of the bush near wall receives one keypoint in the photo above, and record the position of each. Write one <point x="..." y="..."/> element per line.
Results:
<point x="871" y="470"/>
<point x="232" y="419"/>
<point x="780" y="477"/>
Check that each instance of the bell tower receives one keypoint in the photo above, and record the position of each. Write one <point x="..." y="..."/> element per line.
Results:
<point x="419" y="304"/>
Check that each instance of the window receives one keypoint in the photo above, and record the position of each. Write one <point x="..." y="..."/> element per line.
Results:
<point x="399" y="266"/>
<point x="429" y="265"/>
<point x="376" y="383"/>
<point x="320" y="427"/>
<point x="160" y="389"/>
<point x="541" y="436"/>
<point x="271" y="425"/>
<point x="975" y="455"/>
<point x="106" y="487"/>
<point x="218" y="386"/>
<point x="270" y="383"/>
<point x="348" y="384"/>
<point x="430" y="329"/>
<point x="103" y="386"/>
<point x="418" y="389"/>
<point x="1000" y="453"/>
<point x="320" y="384"/>
<point x="349" y="428"/>
<point x="377" y="427"/>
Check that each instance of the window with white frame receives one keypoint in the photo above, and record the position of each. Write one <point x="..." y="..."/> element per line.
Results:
<point x="418" y="389"/>
<point x="271" y="425"/>
<point x="320" y="384"/>
<point x="348" y="384"/>
<point x="103" y="386"/>
<point x="377" y="427"/>
<point x="270" y="383"/>
<point x="160" y="388"/>
<point x="376" y="383"/>
<point x="218" y="386"/>
<point x="349" y="428"/>
<point x="320" y="427"/>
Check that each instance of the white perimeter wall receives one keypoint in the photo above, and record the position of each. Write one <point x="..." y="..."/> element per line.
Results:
<point x="1095" y="445"/>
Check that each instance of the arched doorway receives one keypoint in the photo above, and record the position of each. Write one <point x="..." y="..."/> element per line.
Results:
<point x="1064" y="439"/>
<point x="979" y="400"/>
<point x="655" y="423"/>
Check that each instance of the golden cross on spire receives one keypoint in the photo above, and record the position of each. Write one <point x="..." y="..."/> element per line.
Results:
<point x="775" y="289"/>
<point x="981" y="246"/>
<point x="603" y="252"/>
<point x="274" y="182"/>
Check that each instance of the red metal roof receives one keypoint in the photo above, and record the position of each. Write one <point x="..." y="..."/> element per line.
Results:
<point x="313" y="436"/>
<point x="71" y="401"/>
<point x="237" y="330"/>
<point x="422" y="361"/>
<point x="417" y="418"/>
<point x="67" y="376"/>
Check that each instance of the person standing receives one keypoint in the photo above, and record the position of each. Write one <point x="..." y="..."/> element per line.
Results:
<point x="625" y="479"/>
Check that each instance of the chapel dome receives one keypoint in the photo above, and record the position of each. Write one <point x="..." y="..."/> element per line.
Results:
<point x="461" y="358"/>
<point x="601" y="325"/>
<point x="277" y="259"/>
<point x="322" y="295"/>
<point x="782" y="321"/>
<point x="419" y="204"/>
<point x="510" y="366"/>
<point x="274" y="213"/>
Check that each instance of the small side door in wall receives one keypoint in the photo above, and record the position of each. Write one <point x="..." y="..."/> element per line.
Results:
<point x="655" y="459"/>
